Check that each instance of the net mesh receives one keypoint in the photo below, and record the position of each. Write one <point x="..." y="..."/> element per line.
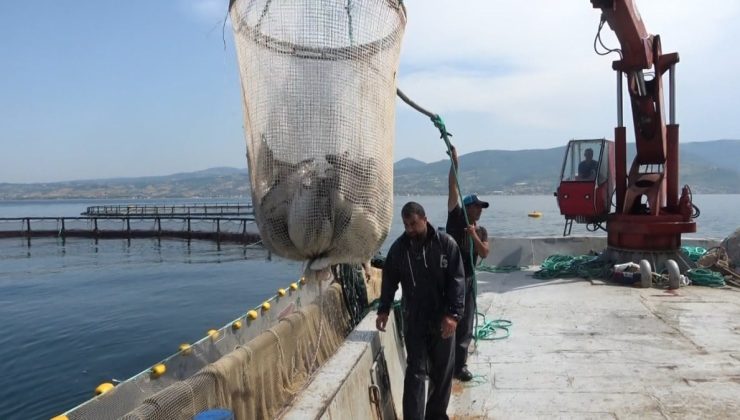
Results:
<point x="319" y="82"/>
<point x="259" y="379"/>
<point x="254" y="370"/>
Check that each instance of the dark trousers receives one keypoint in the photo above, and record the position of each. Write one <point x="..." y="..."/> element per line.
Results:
<point x="427" y="355"/>
<point x="464" y="331"/>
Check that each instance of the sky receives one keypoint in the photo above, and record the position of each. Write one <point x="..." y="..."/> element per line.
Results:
<point x="109" y="88"/>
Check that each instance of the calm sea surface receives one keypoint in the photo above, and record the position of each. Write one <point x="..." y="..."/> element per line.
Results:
<point x="75" y="314"/>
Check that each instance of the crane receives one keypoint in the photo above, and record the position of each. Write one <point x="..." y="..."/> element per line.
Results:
<point x="649" y="215"/>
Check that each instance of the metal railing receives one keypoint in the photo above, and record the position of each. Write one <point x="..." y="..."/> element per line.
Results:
<point x="232" y="229"/>
<point x="178" y="210"/>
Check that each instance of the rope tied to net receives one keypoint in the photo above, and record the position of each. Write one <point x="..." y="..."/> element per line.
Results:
<point x="479" y="329"/>
<point x="354" y="290"/>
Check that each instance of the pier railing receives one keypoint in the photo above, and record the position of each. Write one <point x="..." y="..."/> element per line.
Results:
<point x="229" y="229"/>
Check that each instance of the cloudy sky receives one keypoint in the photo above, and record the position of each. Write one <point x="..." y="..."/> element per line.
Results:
<point x="107" y="88"/>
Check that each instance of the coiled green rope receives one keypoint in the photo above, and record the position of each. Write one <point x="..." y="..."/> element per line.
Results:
<point x="497" y="268"/>
<point x="705" y="277"/>
<point x="694" y="252"/>
<point x="564" y="266"/>
<point x="498" y="329"/>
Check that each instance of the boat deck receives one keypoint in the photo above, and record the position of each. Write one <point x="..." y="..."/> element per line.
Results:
<point x="581" y="349"/>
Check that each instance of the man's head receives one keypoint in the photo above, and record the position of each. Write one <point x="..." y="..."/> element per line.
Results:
<point x="414" y="220"/>
<point x="589" y="154"/>
<point x="474" y="206"/>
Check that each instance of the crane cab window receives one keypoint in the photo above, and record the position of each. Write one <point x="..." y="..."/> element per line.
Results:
<point x="582" y="161"/>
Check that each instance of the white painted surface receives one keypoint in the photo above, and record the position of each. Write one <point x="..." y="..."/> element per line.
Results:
<point x="580" y="350"/>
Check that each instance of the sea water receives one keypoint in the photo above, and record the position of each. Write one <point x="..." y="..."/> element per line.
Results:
<point x="76" y="313"/>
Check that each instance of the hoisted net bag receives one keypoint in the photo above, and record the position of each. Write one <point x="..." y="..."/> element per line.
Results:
<point x="318" y="85"/>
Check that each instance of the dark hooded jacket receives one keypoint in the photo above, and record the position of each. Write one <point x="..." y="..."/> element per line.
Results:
<point x="432" y="279"/>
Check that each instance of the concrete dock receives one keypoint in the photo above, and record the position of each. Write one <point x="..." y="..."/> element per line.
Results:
<point x="578" y="349"/>
<point x="583" y="349"/>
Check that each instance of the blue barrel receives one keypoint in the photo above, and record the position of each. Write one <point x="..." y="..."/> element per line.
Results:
<point x="215" y="414"/>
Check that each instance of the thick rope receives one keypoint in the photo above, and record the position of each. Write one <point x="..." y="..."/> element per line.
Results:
<point x="479" y="330"/>
<point x="497" y="268"/>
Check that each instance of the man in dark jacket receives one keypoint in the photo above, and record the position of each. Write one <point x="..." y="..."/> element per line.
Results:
<point x="429" y="267"/>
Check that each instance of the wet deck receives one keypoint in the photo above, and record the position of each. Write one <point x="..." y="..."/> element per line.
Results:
<point x="582" y="349"/>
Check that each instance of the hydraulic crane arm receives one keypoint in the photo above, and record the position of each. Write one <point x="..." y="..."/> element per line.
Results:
<point x="649" y="214"/>
<point x="626" y="22"/>
<point x="641" y="55"/>
<point x="640" y="51"/>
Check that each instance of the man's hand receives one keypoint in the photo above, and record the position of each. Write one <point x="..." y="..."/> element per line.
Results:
<point x="453" y="155"/>
<point x="471" y="231"/>
<point x="449" y="324"/>
<point x="381" y="321"/>
<point x="366" y="269"/>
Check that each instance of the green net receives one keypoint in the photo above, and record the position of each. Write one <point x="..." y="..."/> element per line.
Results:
<point x="566" y="266"/>
<point x="497" y="268"/>
<point x="705" y="277"/>
<point x="694" y="253"/>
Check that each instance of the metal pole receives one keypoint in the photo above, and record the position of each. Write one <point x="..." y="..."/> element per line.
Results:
<point x="672" y="94"/>
<point x="620" y="117"/>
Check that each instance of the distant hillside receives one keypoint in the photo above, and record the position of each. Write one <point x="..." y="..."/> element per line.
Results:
<point x="708" y="167"/>
<point x="408" y="164"/>
<point x="212" y="183"/>
<point x="724" y="154"/>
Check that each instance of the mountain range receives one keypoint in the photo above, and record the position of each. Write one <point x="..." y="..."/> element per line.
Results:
<point x="709" y="167"/>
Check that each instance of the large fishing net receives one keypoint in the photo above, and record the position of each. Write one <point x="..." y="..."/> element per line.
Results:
<point x="319" y="82"/>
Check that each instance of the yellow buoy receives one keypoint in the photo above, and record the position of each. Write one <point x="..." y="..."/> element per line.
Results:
<point x="535" y="214"/>
<point x="266" y="306"/>
<point x="158" y="370"/>
<point x="281" y="292"/>
<point x="103" y="388"/>
<point x="185" y="349"/>
<point x="252" y="315"/>
<point x="60" y="417"/>
<point x="213" y="334"/>
<point x="293" y="286"/>
<point x="236" y="325"/>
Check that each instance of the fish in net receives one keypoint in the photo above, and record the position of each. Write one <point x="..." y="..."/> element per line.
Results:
<point x="318" y="84"/>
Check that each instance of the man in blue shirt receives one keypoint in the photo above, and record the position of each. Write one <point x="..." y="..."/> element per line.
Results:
<point x="466" y="235"/>
<point x="588" y="167"/>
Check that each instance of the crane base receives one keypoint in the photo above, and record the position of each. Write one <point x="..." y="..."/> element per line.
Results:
<point x="647" y="232"/>
<point x="657" y="259"/>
